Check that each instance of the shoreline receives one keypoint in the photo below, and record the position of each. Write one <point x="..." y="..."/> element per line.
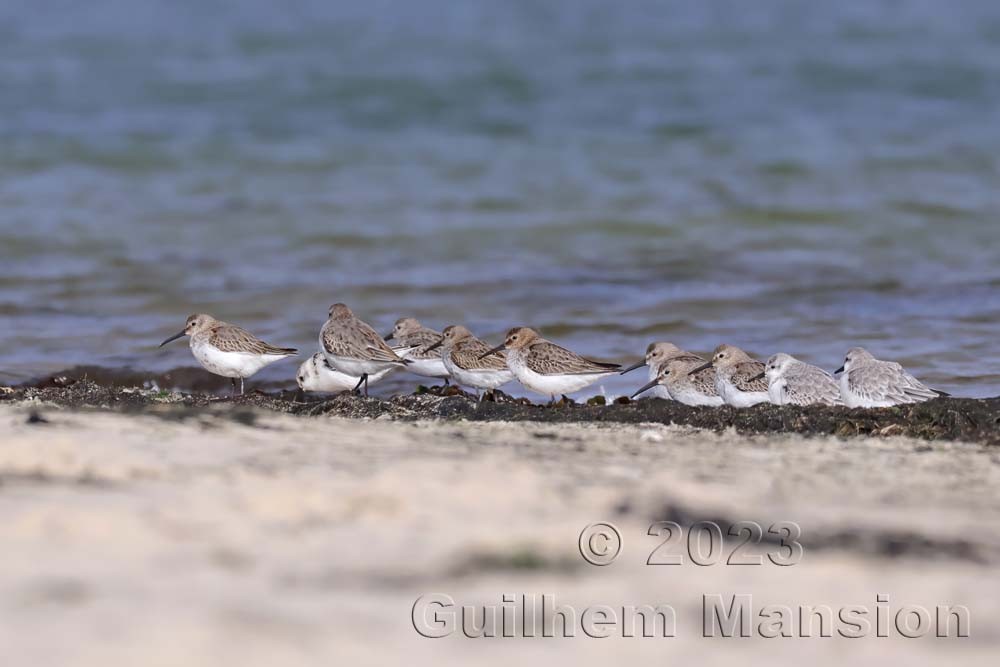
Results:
<point x="227" y="533"/>
<point x="957" y="419"/>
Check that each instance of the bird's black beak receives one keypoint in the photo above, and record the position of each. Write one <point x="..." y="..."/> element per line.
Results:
<point x="491" y="351"/>
<point x="435" y="345"/>
<point x="388" y="336"/>
<point x="638" y="364"/>
<point x="757" y="377"/>
<point x="173" y="338"/>
<point x="646" y="387"/>
<point x="701" y="368"/>
<point x="839" y="370"/>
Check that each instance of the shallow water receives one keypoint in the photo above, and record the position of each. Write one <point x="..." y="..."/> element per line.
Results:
<point x="798" y="177"/>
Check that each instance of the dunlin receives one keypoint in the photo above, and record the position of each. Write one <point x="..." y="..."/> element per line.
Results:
<point x="655" y="360"/>
<point x="794" y="382"/>
<point x="866" y="382"/>
<point x="315" y="374"/>
<point x="685" y="387"/>
<point x="737" y="377"/>
<point x="409" y="332"/>
<point x="228" y="350"/>
<point x="549" y="369"/>
<point x="352" y="347"/>
<point x="469" y="360"/>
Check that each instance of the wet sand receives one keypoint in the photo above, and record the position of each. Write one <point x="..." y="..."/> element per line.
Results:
<point x="173" y="532"/>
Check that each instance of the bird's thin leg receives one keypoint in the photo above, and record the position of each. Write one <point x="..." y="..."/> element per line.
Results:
<point x="365" y="376"/>
<point x="241" y="386"/>
<point x="233" y="380"/>
<point x="357" y="387"/>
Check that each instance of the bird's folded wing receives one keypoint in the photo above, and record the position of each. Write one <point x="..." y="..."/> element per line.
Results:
<point x="231" y="338"/>
<point x="550" y="359"/>
<point x="744" y="374"/>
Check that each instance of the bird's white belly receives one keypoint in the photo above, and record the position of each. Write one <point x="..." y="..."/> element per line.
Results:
<point x="692" y="397"/>
<point x="433" y="368"/>
<point x="480" y="379"/>
<point x="231" y="364"/>
<point x="315" y="375"/>
<point x="736" y="398"/>
<point x="551" y="385"/>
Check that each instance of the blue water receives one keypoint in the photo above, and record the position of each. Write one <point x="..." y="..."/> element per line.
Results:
<point x="784" y="176"/>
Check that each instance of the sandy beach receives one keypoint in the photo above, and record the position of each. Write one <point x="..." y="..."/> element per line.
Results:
<point x="249" y="536"/>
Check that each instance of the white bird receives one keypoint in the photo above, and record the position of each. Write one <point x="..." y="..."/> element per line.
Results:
<point x="794" y="382"/>
<point x="315" y="374"/>
<point x="866" y="382"/>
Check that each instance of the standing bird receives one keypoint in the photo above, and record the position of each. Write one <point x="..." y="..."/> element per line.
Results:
<point x="352" y="347"/>
<point x="469" y="360"/>
<point x="685" y="387"/>
<point x="737" y="377"/>
<point x="657" y="355"/>
<point x="315" y="374"/>
<point x="549" y="369"/>
<point x="794" y="382"/>
<point x="409" y="332"/>
<point x="866" y="382"/>
<point x="228" y="350"/>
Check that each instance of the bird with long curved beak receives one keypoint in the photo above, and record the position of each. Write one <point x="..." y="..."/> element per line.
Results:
<point x="686" y="385"/>
<point x="470" y="362"/>
<point x="738" y="376"/>
<point x="657" y="356"/>
<point x="228" y="350"/>
<point x="423" y="355"/>
<point x="549" y="369"/>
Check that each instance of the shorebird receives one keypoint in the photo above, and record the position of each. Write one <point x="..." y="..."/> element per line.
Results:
<point x="656" y="358"/>
<point x="737" y="377"/>
<point x="409" y="332"/>
<point x="866" y="382"/>
<point x="228" y="350"/>
<point x="315" y="374"/>
<point x="549" y="369"/>
<point x="685" y="387"/>
<point x="352" y="347"/>
<point x="469" y="360"/>
<point x="794" y="382"/>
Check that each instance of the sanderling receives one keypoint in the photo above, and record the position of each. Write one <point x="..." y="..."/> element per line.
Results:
<point x="352" y="347"/>
<point x="549" y="369"/>
<point x="794" y="382"/>
<point x="866" y="382"/>
<point x="684" y="386"/>
<point x="228" y="350"/>
<point x="409" y="332"/>
<point x="735" y="373"/>
<point x="315" y="374"/>
<point x="469" y="360"/>
<point x="655" y="360"/>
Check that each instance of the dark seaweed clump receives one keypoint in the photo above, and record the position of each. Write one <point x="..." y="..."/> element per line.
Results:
<point x="973" y="420"/>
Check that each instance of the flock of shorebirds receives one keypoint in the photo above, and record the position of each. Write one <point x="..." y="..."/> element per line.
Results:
<point x="353" y="356"/>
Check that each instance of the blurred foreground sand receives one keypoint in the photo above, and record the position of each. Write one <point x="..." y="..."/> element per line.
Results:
<point x="140" y="540"/>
